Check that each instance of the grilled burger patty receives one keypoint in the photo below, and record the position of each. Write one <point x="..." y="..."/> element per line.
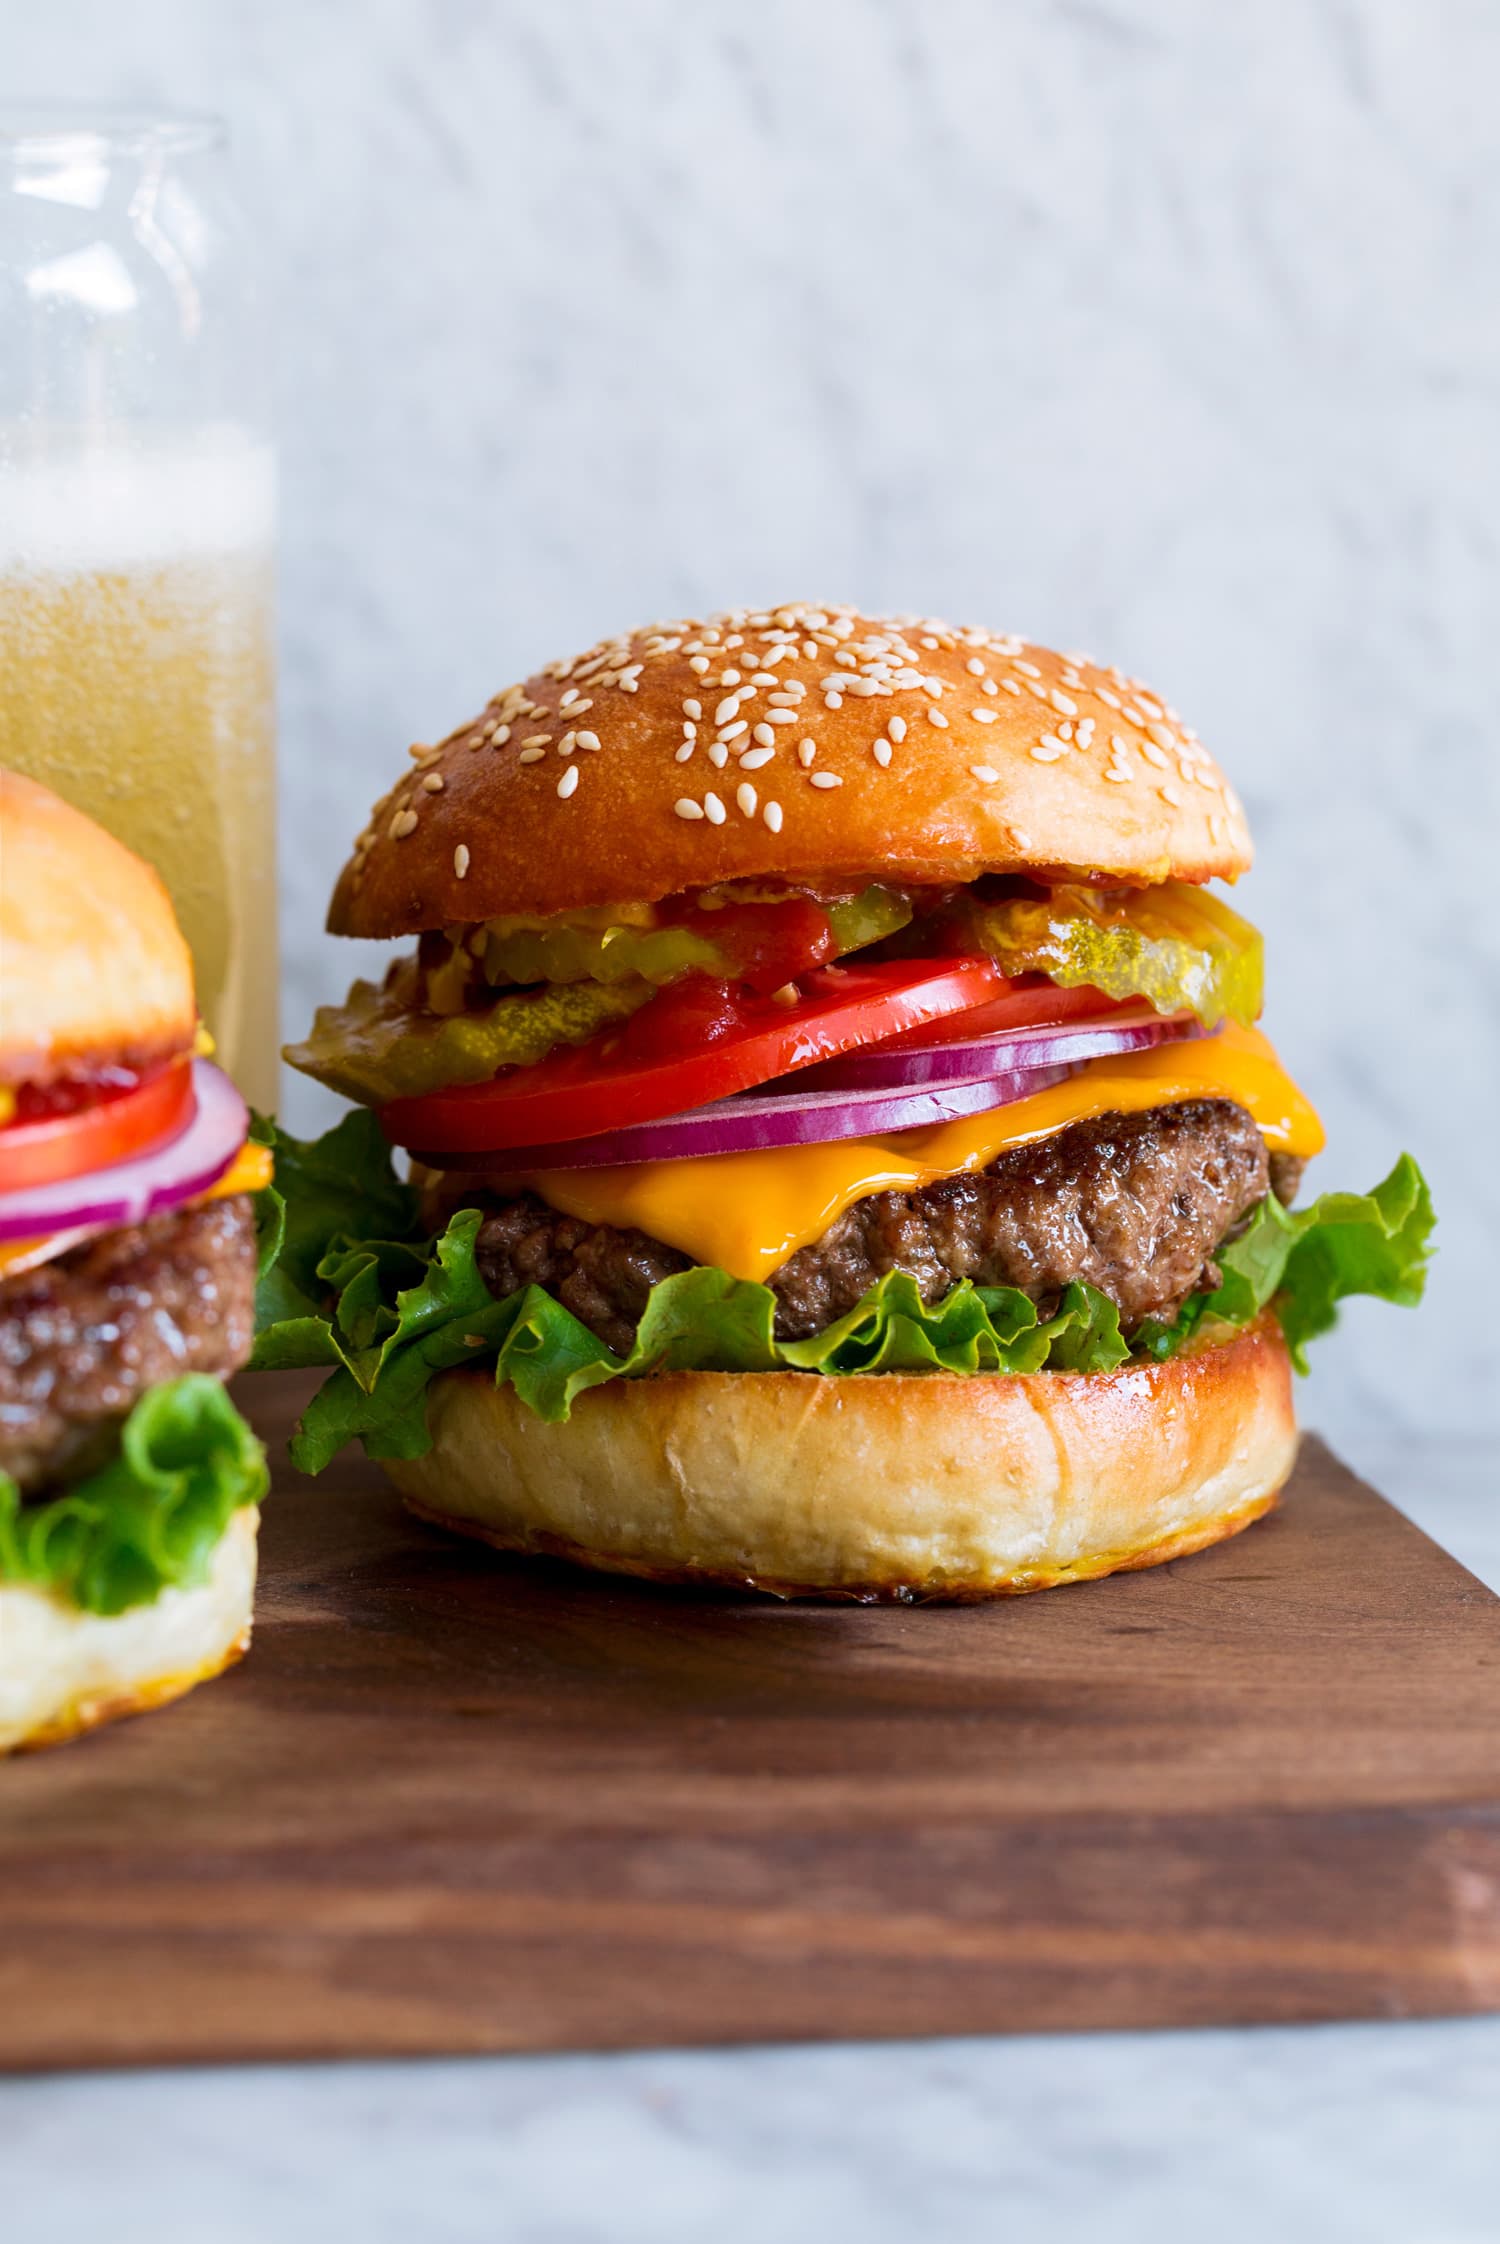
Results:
<point x="82" y="1336"/>
<point x="1134" y="1204"/>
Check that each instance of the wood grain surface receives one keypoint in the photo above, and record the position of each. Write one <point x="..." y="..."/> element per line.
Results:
<point x="457" y="1802"/>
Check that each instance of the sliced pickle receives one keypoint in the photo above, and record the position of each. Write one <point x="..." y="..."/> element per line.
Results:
<point x="377" y="1046"/>
<point x="566" y="950"/>
<point x="1177" y="947"/>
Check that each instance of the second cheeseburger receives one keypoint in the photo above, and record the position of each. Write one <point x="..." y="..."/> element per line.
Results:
<point x="844" y="1160"/>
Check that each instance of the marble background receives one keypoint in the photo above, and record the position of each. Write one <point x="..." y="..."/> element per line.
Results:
<point x="1163" y="329"/>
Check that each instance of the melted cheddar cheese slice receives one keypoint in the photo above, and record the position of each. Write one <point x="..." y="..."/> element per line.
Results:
<point x="748" y="1212"/>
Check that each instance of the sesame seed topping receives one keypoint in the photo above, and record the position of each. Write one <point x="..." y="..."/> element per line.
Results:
<point x="500" y="735"/>
<point x="531" y="756"/>
<point x="974" y="667"/>
<point x="990" y="686"/>
<point x="1028" y="669"/>
<point x="732" y="732"/>
<point x="983" y="716"/>
<point x="718" y="754"/>
<point x="729" y="678"/>
<point x="1170" y="794"/>
<point x="1010" y="685"/>
<point x="692" y="708"/>
<point x="568" y="698"/>
<point x="833" y="701"/>
<point x="568" y="784"/>
<point x="700" y="664"/>
<point x="754" y="758"/>
<point x="985" y="773"/>
<point x="567" y="744"/>
<point x="826" y="779"/>
<point x="537" y="740"/>
<point x="936" y="717"/>
<point x="746" y="798"/>
<point x="684" y="752"/>
<point x="772" y="816"/>
<point x="433" y="782"/>
<point x="1154" y="755"/>
<point x="896" y="727"/>
<point x="783" y="716"/>
<point x="882" y="752"/>
<point x="589" y="740"/>
<point x="461" y="859"/>
<point x="404" y="823"/>
<point x="728" y="709"/>
<point x="806" y="750"/>
<point x="765" y="736"/>
<point x="1161" y="735"/>
<point x="685" y="807"/>
<point x="713" y="809"/>
<point x="1043" y="753"/>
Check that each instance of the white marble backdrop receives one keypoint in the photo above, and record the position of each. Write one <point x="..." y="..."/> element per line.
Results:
<point x="1161" y="328"/>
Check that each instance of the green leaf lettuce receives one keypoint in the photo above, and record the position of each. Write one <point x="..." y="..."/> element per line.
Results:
<point x="152" y="1517"/>
<point x="356" y="1287"/>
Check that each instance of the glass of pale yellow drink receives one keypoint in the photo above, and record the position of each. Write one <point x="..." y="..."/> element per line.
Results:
<point x="137" y="510"/>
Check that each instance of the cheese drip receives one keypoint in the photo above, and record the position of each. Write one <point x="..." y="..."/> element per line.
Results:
<point x="748" y="1213"/>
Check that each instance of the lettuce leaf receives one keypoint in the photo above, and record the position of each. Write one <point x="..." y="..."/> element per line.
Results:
<point x="388" y="1310"/>
<point x="152" y="1517"/>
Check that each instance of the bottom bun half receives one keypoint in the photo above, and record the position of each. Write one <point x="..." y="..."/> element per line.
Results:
<point x="63" y="1671"/>
<point x="888" y="1486"/>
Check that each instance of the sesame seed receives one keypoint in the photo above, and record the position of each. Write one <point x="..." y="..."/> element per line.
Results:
<point x="985" y="773"/>
<point x="700" y="664"/>
<point x="833" y="701"/>
<point x="568" y="698"/>
<point x="1161" y="735"/>
<point x="826" y="779"/>
<point x="764" y="678"/>
<point x="589" y="740"/>
<point x="1154" y="755"/>
<point x="1028" y="669"/>
<point x="718" y="754"/>
<point x="1112" y="699"/>
<point x="806" y="750"/>
<point x="729" y="678"/>
<point x="746" y="798"/>
<point x="990" y="686"/>
<point x="500" y="735"/>
<point x="786" y="699"/>
<point x="1010" y="685"/>
<point x="692" y="708"/>
<point x="537" y="740"/>
<point x="689" y="729"/>
<point x="684" y="752"/>
<point x="475" y="740"/>
<point x="404" y="823"/>
<point x="461" y="859"/>
<point x="983" y="716"/>
<point x="772" y="816"/>
<point x="685" y="807"/>
<point x="1065" y="730"/>
<point x="531" y="756"/>
<point x="764" y="735"/>
<point x="1170" y="794"/>
<point x="713" y="809"/>
<point x="896" y="727"/>
<point x="936" y="717"/>
<point x="567" y="744"/>
<point x="433" y="782"/>
<point x="1042" y="754"/>
<point x="974" y="667"/>
<point x="782" y="716"/>
<point x="754" y="758"/>
<point x="728" y="709"/>
<point x="882" y="752"/>
<point x="568" y="784"/>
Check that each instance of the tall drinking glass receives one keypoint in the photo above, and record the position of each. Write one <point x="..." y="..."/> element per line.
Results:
<point x="137" y="499"/>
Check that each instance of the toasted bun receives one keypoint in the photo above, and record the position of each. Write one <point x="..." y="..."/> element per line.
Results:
<point x="94" y="963"/>
<point x="874" y="1488"/>
<point x="975" y="774"/>
<point x="63" y="1671"/>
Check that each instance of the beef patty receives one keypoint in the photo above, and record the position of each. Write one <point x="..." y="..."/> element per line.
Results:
<point x="82" y="1336"/>
<point x="1134" y="1204"/>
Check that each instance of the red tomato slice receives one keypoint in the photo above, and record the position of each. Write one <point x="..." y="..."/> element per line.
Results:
<point x="95" y="1137"/>
<point x="1029" y="1001"/>
<point x="697" y="1040"/>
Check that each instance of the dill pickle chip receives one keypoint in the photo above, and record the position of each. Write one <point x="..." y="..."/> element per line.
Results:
<point x="374" y="1047"/>
<point x="1175" y="946"/>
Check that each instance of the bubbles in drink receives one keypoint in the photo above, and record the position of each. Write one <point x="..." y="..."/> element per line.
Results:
<point x="136" y="653"/>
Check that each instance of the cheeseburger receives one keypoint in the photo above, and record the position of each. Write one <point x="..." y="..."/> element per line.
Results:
<point x="842" y="1157"/>
<point x="128" y="1482"/>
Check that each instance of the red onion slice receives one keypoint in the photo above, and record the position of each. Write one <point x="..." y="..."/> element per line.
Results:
<point x="1007" y="1052"/>
<point x="130" y="1191"/>
<point x="758" y="1122"/>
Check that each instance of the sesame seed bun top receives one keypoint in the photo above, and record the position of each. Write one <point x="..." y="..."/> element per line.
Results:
<point x="798" y="743"/>
<point x="93" y="967"/>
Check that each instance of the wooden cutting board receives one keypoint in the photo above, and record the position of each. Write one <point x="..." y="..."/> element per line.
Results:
<point x="458" y="1802"/>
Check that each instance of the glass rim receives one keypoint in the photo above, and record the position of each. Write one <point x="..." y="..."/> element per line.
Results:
<point x="66" y="129"/>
